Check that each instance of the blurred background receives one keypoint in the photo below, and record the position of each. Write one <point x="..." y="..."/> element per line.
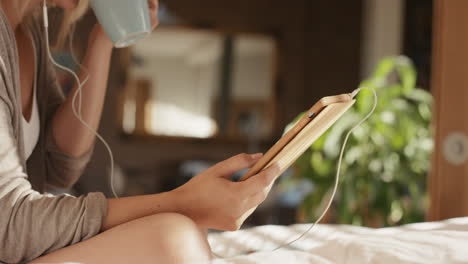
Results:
<point x="218" y="78"/>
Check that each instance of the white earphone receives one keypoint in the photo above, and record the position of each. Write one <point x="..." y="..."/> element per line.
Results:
<point x="78" y="93"/>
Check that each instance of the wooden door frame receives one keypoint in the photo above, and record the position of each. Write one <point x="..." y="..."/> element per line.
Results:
<point x="448" y="183"/>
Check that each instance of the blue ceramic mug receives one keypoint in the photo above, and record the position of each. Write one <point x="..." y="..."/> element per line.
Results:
<point x="124" y="21"/>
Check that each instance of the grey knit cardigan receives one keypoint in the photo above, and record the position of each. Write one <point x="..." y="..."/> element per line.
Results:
<point x="33" y="223"/>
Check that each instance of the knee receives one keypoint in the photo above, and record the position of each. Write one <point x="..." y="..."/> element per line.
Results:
<point x="179" y="236"/>
<point x="178" y="225"/>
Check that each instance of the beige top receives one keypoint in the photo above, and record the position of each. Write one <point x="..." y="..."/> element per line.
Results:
<point x="33" y="223"/>
<point x="31" y="127"/>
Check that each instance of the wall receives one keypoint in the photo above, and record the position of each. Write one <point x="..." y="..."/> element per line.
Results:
<point x="382" y="31"/>
<point x="253" y="71"/>
<point x="253" y="77"/>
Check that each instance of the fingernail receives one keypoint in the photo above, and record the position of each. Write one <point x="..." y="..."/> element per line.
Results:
<point x="256" y="156"/>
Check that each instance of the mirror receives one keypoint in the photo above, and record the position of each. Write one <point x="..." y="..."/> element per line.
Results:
<point x="194" y="83"/>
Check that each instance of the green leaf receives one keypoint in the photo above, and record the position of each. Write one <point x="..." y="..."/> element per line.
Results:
<point x="387" y="159"/>
<point x="407" y="74"/>
<point x="384" y="68"/>
<point x="365" y="101"/>
<point x="420" y="95"/>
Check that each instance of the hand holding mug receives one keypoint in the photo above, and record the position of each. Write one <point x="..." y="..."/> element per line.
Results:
<point x="126" y="21"/>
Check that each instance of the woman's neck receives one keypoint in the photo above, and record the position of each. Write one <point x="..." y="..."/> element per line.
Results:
<point x="16" y="12"/>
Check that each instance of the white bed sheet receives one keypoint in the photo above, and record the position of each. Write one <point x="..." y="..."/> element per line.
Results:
<point x="436" y="242"/>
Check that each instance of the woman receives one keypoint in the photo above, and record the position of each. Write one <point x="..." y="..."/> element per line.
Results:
<point x="43" y="145"/>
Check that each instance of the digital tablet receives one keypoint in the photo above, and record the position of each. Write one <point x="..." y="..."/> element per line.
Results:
<point x="300" y="137"/>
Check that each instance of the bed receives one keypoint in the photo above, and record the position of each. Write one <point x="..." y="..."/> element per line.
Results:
<point x="433" y="242"/>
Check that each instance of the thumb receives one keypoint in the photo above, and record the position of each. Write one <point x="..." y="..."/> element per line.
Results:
<point x="237" y="163"/>
<point x="262" y="180"/>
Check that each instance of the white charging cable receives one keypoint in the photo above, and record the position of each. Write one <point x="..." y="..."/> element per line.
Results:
<point x="75" y="60"/>
<point x="338" y="169"/>
<point x="78" y="94"/>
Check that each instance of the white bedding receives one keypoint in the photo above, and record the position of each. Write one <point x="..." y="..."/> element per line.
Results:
<point x="437" y="242"/>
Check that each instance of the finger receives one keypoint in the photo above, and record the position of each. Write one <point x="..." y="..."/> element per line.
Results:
<point x="261" y="181"/>
<point x="153" y="7"/>
<point x="153" y="4"/>
<point x="239" y="162"/>
<point x="154" y="21"/>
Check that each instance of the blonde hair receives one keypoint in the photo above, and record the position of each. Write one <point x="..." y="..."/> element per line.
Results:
<point x="71" y="17"/>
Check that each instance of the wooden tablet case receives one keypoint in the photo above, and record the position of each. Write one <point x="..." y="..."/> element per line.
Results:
<point x="308" y="129"/>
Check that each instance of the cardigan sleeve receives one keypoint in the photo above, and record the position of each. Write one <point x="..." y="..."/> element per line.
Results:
<point x="32" y="224"/>
<point x="62" y="170"/>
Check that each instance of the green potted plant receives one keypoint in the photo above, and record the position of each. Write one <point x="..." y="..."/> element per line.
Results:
<point x="387" y="159"/>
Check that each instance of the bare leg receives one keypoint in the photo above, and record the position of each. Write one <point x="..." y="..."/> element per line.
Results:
<point x="162" y="238"/>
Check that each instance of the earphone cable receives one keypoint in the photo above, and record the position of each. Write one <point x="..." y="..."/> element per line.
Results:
<point x="75" y="60"/>
<point x="77" y="93"/>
